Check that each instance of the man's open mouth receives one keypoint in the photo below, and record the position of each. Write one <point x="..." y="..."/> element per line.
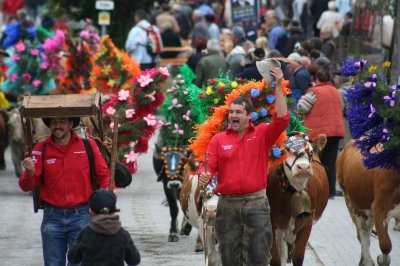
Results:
<point x="235" y="122"/>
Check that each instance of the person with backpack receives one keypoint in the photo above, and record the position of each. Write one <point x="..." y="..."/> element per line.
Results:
<point x="60" y="167"/>
<point x="144" y="42"/>
<point x="103" y="241"/>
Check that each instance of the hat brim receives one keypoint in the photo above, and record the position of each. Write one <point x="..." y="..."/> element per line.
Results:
<point x="123" y="176"/>
<point x="76" y="121"/>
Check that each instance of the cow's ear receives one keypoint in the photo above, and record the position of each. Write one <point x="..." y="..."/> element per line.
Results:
<point x="158" y="149"/>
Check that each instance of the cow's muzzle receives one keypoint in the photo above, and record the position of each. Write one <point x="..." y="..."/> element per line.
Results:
<point x="174" y="185"/>
<point x="211" y="214"/>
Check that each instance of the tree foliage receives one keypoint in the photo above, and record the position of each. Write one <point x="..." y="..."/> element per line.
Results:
<point x="122" y="17"/>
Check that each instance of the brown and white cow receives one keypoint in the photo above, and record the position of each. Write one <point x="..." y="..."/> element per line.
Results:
<point x="372" y="198"/>
<point x="291" y="233"/>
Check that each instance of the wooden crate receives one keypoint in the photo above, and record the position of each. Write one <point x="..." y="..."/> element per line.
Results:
<point x="67" y="105"/>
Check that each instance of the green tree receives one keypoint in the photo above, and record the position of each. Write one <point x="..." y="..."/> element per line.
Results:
<point x="122" y="17"/>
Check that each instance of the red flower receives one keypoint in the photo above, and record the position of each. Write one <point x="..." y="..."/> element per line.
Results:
<point x="201" y="95"/>
<point x="240" y="80"/>
<point x="212" y="81"/>
<point x="289" y="85"/>
<point x="211" y="109"/>
<point x="221" y="89"/>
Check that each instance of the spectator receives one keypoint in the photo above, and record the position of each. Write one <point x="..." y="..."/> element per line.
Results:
<point x="169" y="39"/>
<point x="237" y="54"/>
<point x="35" y="8"/>
<point x="262" y="42"/>
<point x="325" y="117"/>
<point x="200" y="28"/>
<point x="248" y="68"/>
<point x="287" y="74"/>
<point x="205" y="9"/>
<point x="305" y="61"/>
<point x="317" y="43"/>
<point x="346" y="28"/>
<point x="295" y="39"/>
<point x="324" y="63"/>
<point x="228" y="47"/>
<point x="330" y="18"/>
<point x="200" y="44"/>
<point x="300" y="14"/>
<point x="277" y="35"/>
<point x="329" y="48"/>
<point x="137" y="40"/>
<point x="210" y="64"/>
<point x="317" y="8"/>
<point x="213" y="29"/>
<point x="300" y="80"/>
<point x="312" y="70"/>
<point x="251" y="31"/>
<point x="10" y="7"/>
<point x="185" y="23"/>
<point x="165" y="16"/>
<point x="218" y="12"/>
<point x="313" y="55"/>
<point x="302" y="52"/>
<point x="307" y="45"/>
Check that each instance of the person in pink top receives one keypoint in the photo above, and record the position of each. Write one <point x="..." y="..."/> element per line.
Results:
<point x="240" y="157"/>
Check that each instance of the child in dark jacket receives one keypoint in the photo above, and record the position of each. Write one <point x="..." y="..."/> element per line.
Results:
<point x="103" y="241"/>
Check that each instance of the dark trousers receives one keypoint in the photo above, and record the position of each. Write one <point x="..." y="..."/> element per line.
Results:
<point x="244" y="229"/>
<point x="328" y="158"/>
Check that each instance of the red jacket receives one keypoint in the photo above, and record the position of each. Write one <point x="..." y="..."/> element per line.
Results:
<point x="242" y="164"/>
<point x="10" y="7"/>
<point x="326" y="115"/>
<point x="66" y="175"/>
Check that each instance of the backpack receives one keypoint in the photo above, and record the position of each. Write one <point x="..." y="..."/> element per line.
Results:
<point x="154" y="45"/>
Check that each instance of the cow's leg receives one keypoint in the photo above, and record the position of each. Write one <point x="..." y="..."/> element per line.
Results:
<point x="275" y="261"/>
<point x="17" y="157"/>
<point x="396" y="226"/>
<point x="173" y="211"/>
<point x="282" y="246"/>
<point x="364" y="226"/>
<point x="186" y="227"/>
<point x="382" y="230"/>
<point x="300" y="245"/>
<point x="199" y="244"/>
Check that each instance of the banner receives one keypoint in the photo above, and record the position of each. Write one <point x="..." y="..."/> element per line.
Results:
<point x="245" y="10"/>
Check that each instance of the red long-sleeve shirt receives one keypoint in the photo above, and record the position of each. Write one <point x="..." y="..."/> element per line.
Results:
<point x="66" y="172"/>
<point x="242" y="163"/>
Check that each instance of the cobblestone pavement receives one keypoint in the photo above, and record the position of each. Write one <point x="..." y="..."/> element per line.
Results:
<point x="332" y="242"/>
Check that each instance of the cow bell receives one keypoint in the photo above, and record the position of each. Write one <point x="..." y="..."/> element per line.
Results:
<point x="301" y="204"/>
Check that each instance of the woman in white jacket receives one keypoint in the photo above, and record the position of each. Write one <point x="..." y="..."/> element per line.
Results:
<point x="331" y="18"/>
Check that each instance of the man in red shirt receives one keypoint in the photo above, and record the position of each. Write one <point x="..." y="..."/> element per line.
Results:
<point x="60" y="166"/>
<point x="240" y="157"/>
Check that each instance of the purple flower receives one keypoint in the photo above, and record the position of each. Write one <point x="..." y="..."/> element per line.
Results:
<point x="349" y="68"/>
<point x="391" y="98"/>
<point x="371" y="82"/>
<point x="385" y="134"/>
<point x="373" y="112"/>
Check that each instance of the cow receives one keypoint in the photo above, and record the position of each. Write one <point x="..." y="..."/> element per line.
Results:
<point x="16" y="140"/>
<point x="372" y="198"/>
<point x="168" y="168"/>
<point x="290" y="233"/>
<point x="192" y="207"/>
<point x="3" y="132"/>
<point x="291" y="229"/>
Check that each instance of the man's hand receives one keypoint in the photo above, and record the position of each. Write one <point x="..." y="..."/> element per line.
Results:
<point x="204" y="178"/>
<point x="29" y="166"/>
<point x="115" y="192"/>
<point x="278" y="75"/>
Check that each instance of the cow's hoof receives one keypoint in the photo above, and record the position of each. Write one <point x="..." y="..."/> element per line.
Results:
<point x="384" y="260"/>
<point x="173" y="238"/>
<point x="199" y="248"/>
<point x="185" y="231"/>
<point x="396" y="226"/>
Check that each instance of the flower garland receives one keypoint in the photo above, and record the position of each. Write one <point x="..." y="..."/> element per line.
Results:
<point x="373" y="114"/>
<point x="294" y="147"/>
<point x="262" y="95"/>
<point x="135" y="108"/>
<point x="180" y="165"/>
<point x="113" y="69"/>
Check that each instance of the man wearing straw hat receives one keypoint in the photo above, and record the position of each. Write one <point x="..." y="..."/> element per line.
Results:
<point x="60" y="167"/>
<point x="240" y="157"/>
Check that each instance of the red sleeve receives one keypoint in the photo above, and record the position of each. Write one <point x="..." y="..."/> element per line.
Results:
<point x="276" y="128"/>
<point x="100" y="166"/>
<point x="27" y="183"/>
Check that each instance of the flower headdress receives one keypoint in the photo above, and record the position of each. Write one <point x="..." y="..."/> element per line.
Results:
<point x="373" y="115"/>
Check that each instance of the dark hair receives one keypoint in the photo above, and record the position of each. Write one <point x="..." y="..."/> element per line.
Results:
<point x="200" y="44"/>
<point x="209" y="17"/>
<point x="323" y="75"/>
<point x="302" y="52"/>
<point x="248" y="105"/>
<point x="314" y="54"/>
<point x="312" y="70"/>
<point x="274" y="53"/>
<point x="349" y="14"/>
<point x="307" y="45"/>
<point x="141" y="14"/>
<point x="317" y="43"/>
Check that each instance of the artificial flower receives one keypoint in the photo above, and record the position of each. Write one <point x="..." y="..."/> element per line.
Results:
<point x="270" y="98"/>
<point x="264" y="112"/>
<point x="255" y="93"/>
<point x="20" y="47"/>
<point x="130" y="158"/>
<point x="123" y="95"/>
<point x="13" y="77"/>
<point x="201" y="95"/>
<point x="240" y="80"/>
<point x="177" y="130"/>
<point x="163" y="71"/>
<point x="373" y="111"/>
<point x="221" y="84"/>
<point x="277" y="152"/>
<point x="391" y="98"/>
<point x="385" y="134"/>
<point x="15" y="57"/>
<point x="173" y="89"/>
<point x="145" y="80"/>
<point x="216" y="101"/>
<point x="150" y="119"/>
<point x="209" y="90"/>
<point x="36" y="82"/>
<point x="175" y="104"/>
<point x="129" y="113"/>
<point x="151" y="96"/>
<point x="371" y="82"/>
<point x="34" y="51"/>
<point x="212" y="81"/>
<point x="234" y="84"/>
<point x="221" y="89"/>
<point x="26" y="76"/>
<point x="254" y="116"/>
<point x="187" y="115"/>
<point x="44" y="65"/>
<point x="112" y="126"/>
<point x="110" y="111"/>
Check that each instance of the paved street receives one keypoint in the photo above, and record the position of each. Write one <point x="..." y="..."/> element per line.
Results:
<point x="333" y="239"/>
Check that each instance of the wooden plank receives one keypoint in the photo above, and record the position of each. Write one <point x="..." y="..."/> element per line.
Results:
<point x="172" y="61"/>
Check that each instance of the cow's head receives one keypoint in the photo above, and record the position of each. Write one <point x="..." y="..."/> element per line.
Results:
<point x="15" y="128"/>
<point x="168" y="166"/>
<point x="298" y="164"/>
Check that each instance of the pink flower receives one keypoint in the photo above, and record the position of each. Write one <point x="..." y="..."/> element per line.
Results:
<point x="151" y="96"/>
<point x="185" y="92"/>
<point x="34" y="52"/>
<point x="163" y="71"/>
<point x="112" y="126"/>
<point x="145" y="80"/>
<point x="110" y="111"/>
<point x="175" y="104"/>
<point x="173" y="89"/>
<point x="129" y="113"/>
<point x="15" y="57"/>
<point x="150" y="119"/>
<point x="177" y="130"/>
<point x="26" y="76"/>
<point x="20" y="47"/>
<point x="123" y="95"/>
<point x="36" y="82"/>
<point x="131" y="157"/>
<point x="44" y="65"/>
<point x="187" y="115"/>
<point x="13" y="77"/>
